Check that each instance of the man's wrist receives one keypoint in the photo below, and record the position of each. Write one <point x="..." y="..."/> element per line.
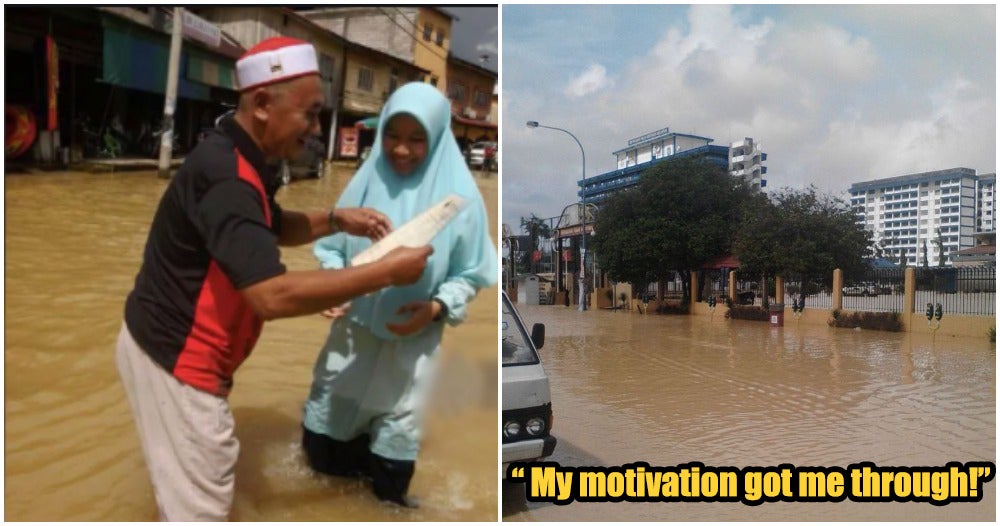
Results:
<point x="333" y="223"/>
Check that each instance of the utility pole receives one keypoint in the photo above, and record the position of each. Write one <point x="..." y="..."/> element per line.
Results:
<point x="170" y="104"/>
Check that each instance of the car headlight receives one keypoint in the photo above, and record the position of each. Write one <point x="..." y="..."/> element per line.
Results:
<point x="535" y="426"/>
<point x="511" y="429"/>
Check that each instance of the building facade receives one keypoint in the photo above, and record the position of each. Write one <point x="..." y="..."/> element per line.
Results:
<point x="746" y="160"/>
<point x="106" y="77"/>
<point x="356" y="79"/>
<point x="986" y="203"/>
<point x="250" y="25"/>
<point x="471" y="91"/>
<point x="418" y="35"/>
<point x="911" y="216"/>
<point x="742" y="159"/>
<point x="432" y="50"/>
<point x="983" y="254"/>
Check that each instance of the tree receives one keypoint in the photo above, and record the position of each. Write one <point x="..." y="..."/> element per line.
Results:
<point x="940" y="247"/>
<point x="536" y="228"/>
<point x="801" y="234"/>
<point x="683" y="213"/>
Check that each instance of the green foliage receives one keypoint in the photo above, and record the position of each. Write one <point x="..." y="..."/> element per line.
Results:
<point x="536" y="228"/>
<point x="876" y="321"/>
<point x="748" y="312"/>
<point x="683" y="213"/>
<point x="800" y="234"/>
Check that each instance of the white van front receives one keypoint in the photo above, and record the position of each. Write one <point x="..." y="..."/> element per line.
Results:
<point x="526" y="420"/>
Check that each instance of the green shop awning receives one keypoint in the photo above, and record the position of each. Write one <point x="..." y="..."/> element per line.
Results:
<point x="206" y="69"/>
<point x="136" y="57"/>
<point x="370" y="123"/>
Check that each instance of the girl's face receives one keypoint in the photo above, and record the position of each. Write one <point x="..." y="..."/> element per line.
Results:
<point x="404" y="144"/>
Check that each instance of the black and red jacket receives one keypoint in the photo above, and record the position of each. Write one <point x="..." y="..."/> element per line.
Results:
<point x="215" y="232"/>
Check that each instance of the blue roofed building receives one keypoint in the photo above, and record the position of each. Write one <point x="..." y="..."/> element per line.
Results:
<point x="743" y="159"/>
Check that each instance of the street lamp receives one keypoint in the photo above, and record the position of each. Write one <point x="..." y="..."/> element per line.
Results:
<point x="583" y="211"/>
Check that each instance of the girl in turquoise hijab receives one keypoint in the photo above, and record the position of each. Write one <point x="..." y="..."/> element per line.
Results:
<point x="362" y="416"/>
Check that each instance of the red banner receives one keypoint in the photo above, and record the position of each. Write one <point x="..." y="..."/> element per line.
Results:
<point x="52" y="74"/>
<point x="536" y="256"/>
<point x="567" y="255"/>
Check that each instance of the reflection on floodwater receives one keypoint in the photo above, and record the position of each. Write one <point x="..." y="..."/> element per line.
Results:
<point x="669" y="390"/>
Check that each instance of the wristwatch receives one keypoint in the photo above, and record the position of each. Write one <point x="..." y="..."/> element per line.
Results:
<point x="443" y="312"/>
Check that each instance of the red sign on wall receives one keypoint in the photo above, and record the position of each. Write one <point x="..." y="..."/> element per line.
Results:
<point x="348" y="141"/>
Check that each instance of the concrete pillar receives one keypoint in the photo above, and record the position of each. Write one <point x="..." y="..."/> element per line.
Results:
<point x="838" y="289"/>
<point x="694" y="287"/>
<point x="559" y="264"/>
<point x="779" y="290"/>
<point x="732" y="286"/>
<point x="909" y="296"/>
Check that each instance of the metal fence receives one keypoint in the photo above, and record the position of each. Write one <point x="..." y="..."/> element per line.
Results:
<point x="748" y="291"/>
<point x="959" y="290"/>
<point x="716" y="284"/>
<point x="817" y="294"/>
<point x="878" y="290"/>
<point x="969" y="291"/>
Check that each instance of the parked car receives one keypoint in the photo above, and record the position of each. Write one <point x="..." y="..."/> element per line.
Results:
<point x="483" y="155"/>
<point x="526" y="421"/>
<point x="861" y="290"/>
<point x="307" y="164"/>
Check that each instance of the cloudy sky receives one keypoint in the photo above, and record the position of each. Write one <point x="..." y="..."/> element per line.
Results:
<point x="475" y="34"/>
<point x="835" y="94"/>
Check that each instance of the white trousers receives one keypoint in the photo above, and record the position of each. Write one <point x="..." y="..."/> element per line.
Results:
<point x="363" y="384"/>
<point x="186" y="435"/>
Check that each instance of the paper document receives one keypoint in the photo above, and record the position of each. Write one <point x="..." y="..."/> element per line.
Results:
<point x="418" y="232"/>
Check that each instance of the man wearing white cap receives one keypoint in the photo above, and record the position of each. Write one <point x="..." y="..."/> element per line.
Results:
<point x="211" y="274"/>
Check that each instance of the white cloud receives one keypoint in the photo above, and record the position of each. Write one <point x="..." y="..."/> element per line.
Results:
<point x="831" y="98"/>
<point x="487" y="47"/>
<point x="934" y="137"/>
<point x="594" y="79"/>
<point x="489" y="43"/>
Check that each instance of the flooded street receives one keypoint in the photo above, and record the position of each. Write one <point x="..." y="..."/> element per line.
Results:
<point x="669" y="390"/>
<point x="73" y="246"/>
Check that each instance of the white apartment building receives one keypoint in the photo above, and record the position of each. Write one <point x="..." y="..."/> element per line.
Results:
<point x="911" y="212"/>
<point x="747" y="161"/>
<point x="986" y="203"/>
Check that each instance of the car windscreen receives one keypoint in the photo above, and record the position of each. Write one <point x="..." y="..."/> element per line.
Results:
<point x="516" y="349"/>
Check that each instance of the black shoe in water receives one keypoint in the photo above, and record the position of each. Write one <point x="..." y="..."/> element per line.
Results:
<point x="391" y="479"/>
<point x="336" y="457"/>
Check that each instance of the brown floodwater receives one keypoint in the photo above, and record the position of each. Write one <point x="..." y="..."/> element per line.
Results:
<point x="73" y="245"/>
<point x="669" y="390"/>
